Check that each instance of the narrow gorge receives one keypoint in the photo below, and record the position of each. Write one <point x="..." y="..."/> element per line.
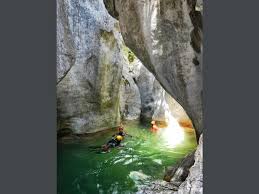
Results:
<point x="130" y="62"/>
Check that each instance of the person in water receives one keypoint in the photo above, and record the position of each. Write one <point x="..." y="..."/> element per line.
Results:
<point x="116" y="140"/>
<point x="121" y="132"/>
<point x="154" y="128"/>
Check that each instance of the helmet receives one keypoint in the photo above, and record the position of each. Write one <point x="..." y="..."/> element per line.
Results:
<point x="119" y="137"/>
<point x="153" y="122"/>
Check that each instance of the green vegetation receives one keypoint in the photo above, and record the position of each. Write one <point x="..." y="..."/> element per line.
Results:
<point x="108" y="37"/>
<point x="129" y="54"/>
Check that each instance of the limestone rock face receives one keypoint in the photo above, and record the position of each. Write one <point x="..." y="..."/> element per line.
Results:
<point x="167" y="107"/>
<point x="89" y="66"/>
<point x="166" y="36"/>
<point x="137" y="91"/>
<point x="142" y="96"/>
<point x="194" y="182"/>
<point x="179" y="173"/>
<point x="130" y="102"/>
<point x="145" y="82"/>
<point x="156" y="103"/>
<point x="157" y="187"/>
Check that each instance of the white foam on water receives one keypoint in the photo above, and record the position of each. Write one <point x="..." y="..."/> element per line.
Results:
<point x="158" y="161"/>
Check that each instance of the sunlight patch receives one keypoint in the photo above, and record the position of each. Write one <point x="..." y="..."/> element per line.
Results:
<point x="173" y="134"/>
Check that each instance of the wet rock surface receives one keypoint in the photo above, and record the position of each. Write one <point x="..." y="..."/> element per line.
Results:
<point x="194" y="182"/>
<point x="160" y="187"/>
<point x="179" y="172"/>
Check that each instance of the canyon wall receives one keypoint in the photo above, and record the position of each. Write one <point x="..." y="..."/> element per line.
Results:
<point x="143" y="98"/>
<point x="98" y="84"/>
<point x="166" y="36"/>
<point x="89" y="66"/>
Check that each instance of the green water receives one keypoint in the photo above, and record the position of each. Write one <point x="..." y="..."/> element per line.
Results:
<point x="83" y="169"/>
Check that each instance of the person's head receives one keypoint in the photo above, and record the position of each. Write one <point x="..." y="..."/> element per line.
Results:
<point x="120" y="129"/>
<point x="119" y="137"/>
<point x="153" y="122"/>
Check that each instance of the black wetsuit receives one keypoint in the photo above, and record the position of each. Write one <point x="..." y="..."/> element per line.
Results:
<point x="113" y="143"/>
<point x="121" y="133"/>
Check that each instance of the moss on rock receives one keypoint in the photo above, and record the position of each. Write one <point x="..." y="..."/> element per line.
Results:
<point x="108" y="37"/>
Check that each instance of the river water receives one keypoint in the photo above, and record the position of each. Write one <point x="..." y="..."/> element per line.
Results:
<point x="83" y="169"/>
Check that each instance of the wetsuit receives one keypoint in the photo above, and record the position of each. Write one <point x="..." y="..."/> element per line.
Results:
<point x="121" y="133"/>
<point x="113" y="143"/>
